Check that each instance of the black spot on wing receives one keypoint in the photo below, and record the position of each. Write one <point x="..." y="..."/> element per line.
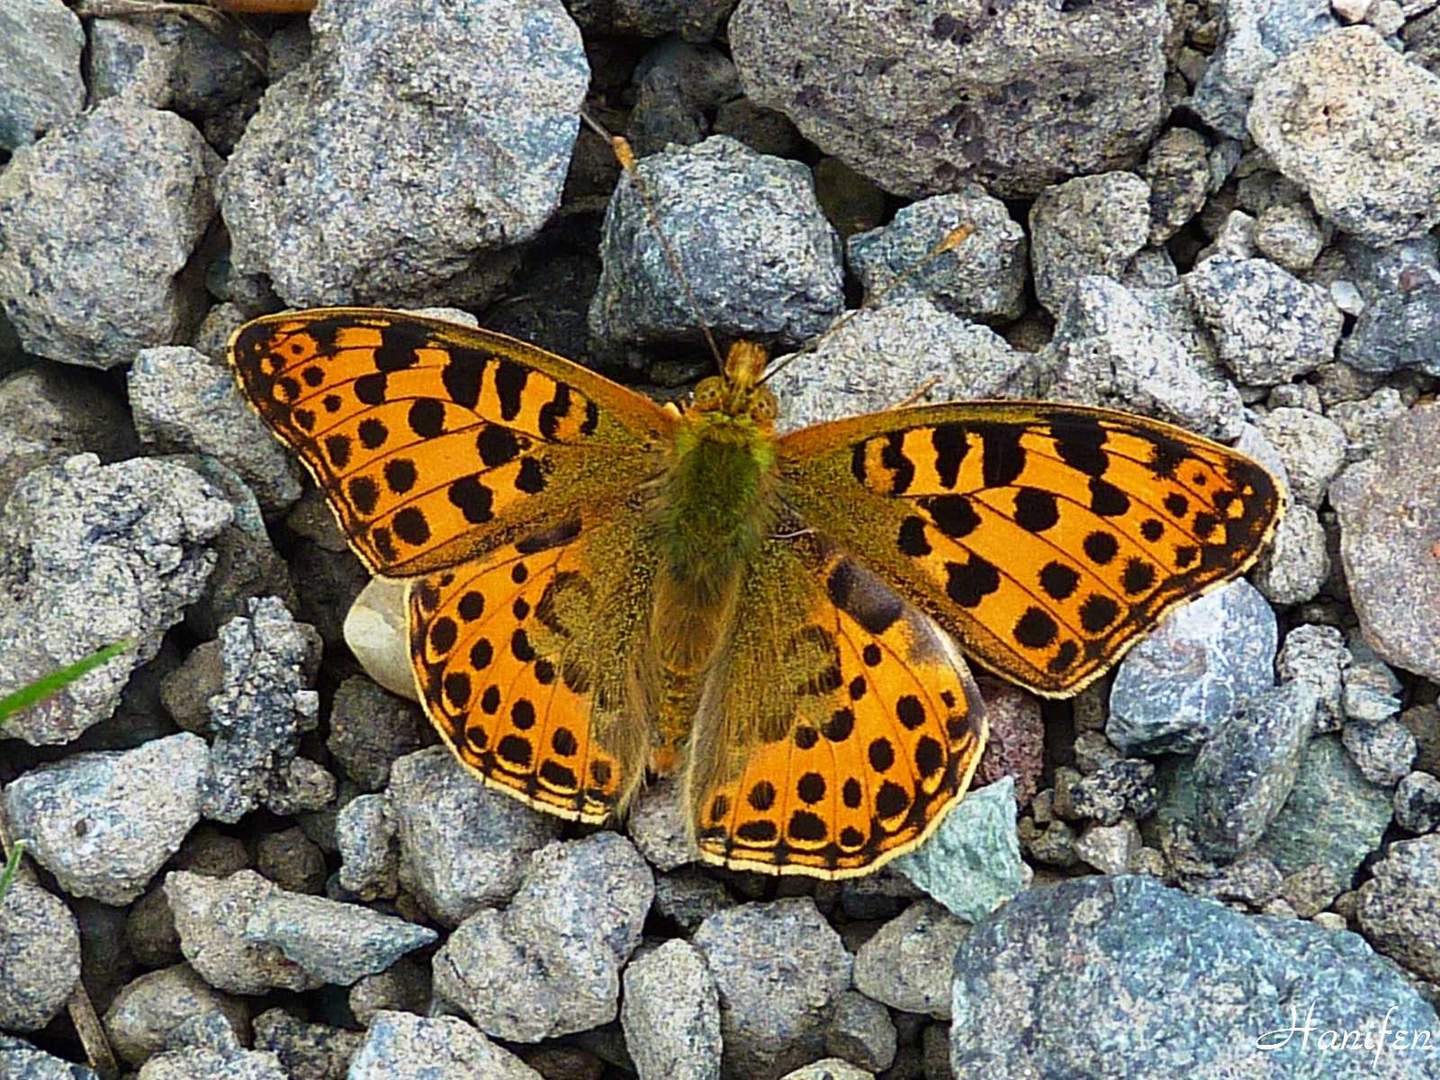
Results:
<point x="510" y="379"/>
<point x="462" y="376"/>
<point x="1078" y="441"/>
<point x="1003" y="457"/>
<point x="860" y="595"/>
<point x="950" y="445"/>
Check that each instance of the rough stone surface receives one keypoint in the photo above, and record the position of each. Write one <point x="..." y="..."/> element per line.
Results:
<point x="1086" y="226"/>
<point x="656" y="823"/>
<point x="1097" y="933"/>
<point x="337" y="943"/>
<point x="1257" y="34"/>
<point x="907" y="963"/>
<point x="861" y="1031"/>
<point x="1334" y="816"/>
<point x="307" y="1051"/>
<point x="773" y="1013"/>
<point x="1295" y="565"/>
<point x="760" y="257"/>
<point x="22" y="1061"/>
<point x="1177" y="168"/>
<point x="1204" y="660"/>
<point x="369" y="175"/>
<point x="97" y="221"/>
<point x="401" y="1046"/>
<point x="1399" y="288"/>
<point x="91" y="555"/>
<point x="264" y="705"/>
<point x="549" y="964"/>
<point x="145" y="1013"/>
<point x="1417" y="803"/>
<point x="40" y="82"/>
<point x="211" y="916"/>
<point x="103" y="823"/>
<point x="183" y="402"/>
<point x="983" y="279"/>
<point x="970" y="92"/>
<point x="370" y="729"/>
<point x="1312" y="448"/>
<point x="1317" y="655"/>
<point x="1133" y="349"/>
<point x="462" y="846"/>
<point x="370" y="857"/>
<point x="1389" y="521"/>
<point x="1269" y="325"/>
<point x="1398" y="905"/>
<point x="671" y="1015"/>
<point x="39" y="958"/>
<point x="884" y="355"/>
<point x="1351" y="121"/>
<point x="971" y="862"/>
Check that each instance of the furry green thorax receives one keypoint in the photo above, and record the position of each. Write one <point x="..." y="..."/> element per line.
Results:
<point x="716" y="505"/>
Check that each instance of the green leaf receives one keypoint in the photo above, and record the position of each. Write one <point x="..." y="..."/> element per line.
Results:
<point x="46" y="685"/>
<point x="12" y="865"/>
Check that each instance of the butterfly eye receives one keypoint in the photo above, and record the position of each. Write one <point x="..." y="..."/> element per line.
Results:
<point x="708" y="394"/>
<point x="763" y="407"/>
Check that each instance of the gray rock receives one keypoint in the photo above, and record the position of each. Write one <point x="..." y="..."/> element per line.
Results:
<point x="1398" y="905"/>
<point x="1334" y="816"/>
<point x="1312" y="448"/>
<point x="1111" y="849"/>
<point x="1383" y="750"/>
<point x="1112" y="790"/>
<point x="97" y="221"/>
<point x="337" y="943"/>
<point x="462" y="846"/>
<point x="760" y="257"/>
<point x="262" y="709"/>
<point x="1417" y="803"/>
<point x="861" y="1032"/>
<point x="1399" y="286"/>
<point x="103" y="823"/>
<point x="1096" y="933"/>
<point x="671" y="1015"/>
<point x="550" y="963"/>
<point x="1290" y="236"/>
<point x="656" y="823"/>
<point x="167" y="64"/>
<point x="40" y="82"/>
<point x="39" y="955"/>
<point x="369" y="854"/>
<point x="183" y="402"/>
<point x="1137" y="350"/>
<point x="1366" y="421"/>
<point x="780" y="968"/>
<point x="971" y="862"/>
<point x="91" y="555"/>
<point x="1086" y="226"/>
<point x="403" y="987"/>
<point x="830" y="1068"/>
<point x="1316" y="655"/>
<point x="292" y="860"/>
<point x="228" y="1061"/>
<point x="20" y="1060"/>
<point x="906" y="964"/>
<point x="676" y="85"/>
<point x="1257" y="34"/>
<point x="975" y="92"/>
<point x="881" y="356"/>
<point x="1246" y="769"/>
<point x="370" y="729"/>
<point x="1388" y="525"/>
<point x="400" y="1046"/>
<point x="1204" y="660"/>
<point x="307" y="1051"/>
<point x="1269" y="325"/>
<point x="1381" y="181"/>
<point x="141" y="1019"/>
<point x="1296" y="563"/>
<point x="48" y="415"/>
<point x="692" y="20"/>
<point x="689" y="896"/>
<point x="1177" y="168"/>
<point x="399" y="176"/>
<point x="211" y="916"/>
<point x="983" y="279"/>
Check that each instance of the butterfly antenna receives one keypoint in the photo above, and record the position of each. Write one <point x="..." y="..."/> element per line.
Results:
<point x="951" y="240"/>
<point x="620" y="147"/>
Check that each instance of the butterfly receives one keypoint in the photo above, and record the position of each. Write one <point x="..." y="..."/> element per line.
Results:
<point x="600" y="587"/>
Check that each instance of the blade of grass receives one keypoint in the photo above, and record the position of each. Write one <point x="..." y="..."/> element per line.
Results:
<point x="12" y="867"/>
<point x="46" y="685"/>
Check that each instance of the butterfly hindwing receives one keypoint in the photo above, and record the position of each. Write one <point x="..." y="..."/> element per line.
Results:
<point x="837" y="727"/>
<point x="1046" y="538"/>
<point x="434" y="441"/>
<point x="523" y="662"/>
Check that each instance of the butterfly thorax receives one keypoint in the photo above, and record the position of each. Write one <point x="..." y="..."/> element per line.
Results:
<point x="716" y="508"/>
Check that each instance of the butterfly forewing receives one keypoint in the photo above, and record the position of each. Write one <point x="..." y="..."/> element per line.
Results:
<point x="1046" y="538"/>
<point x="434" y="441"/>
<point x="837" y="728"/>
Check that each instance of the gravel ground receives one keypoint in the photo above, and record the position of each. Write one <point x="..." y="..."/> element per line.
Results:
<point x="1222" y="860"/>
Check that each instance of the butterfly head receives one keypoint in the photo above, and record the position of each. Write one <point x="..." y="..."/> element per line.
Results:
<point x="737" y="394"/>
